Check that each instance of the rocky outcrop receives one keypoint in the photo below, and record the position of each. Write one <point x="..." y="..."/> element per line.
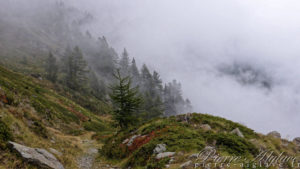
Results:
<point x="160" y="148"/>
<point x="297" y="141"/>
<point x="205" y="127"/>
<point x="186" y="164"/>
<point x="274" y="134"/>
<point x="37" y="156"/>
<point x="184" y="118"/>
<point x="237" y="132"/>
<point x="164" y="155"/>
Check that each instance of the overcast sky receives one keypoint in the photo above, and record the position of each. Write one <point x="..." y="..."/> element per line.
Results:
<point x="188" y="40"/>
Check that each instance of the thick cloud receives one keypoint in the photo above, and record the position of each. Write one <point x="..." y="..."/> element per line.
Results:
<point x="191" y="40"/>
<point x="236" y="59"/>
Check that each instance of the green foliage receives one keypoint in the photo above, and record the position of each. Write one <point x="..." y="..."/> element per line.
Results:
<point x="96" y="126"/>
<point x="126" y="101"/>
<point x="219" y="123"/>
<point x="154" y="164"/>
<point x="5" y="135"/>
<point x="232" y="144"/>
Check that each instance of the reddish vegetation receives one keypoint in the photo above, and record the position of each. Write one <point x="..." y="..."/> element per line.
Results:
<point x="81" y="117"/>
<point x="140" y="141"/>
<point x="3" y="98"/>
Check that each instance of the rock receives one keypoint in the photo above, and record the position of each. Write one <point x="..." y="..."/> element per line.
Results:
<point x="125" y="141"/>
<point x="164" y="155"/>
<point x="274" y="134"/>
<point x="205" y="127"/>
<point x="186" y="164"/>
<point x="180" y="153"/>
<point x="160" y="148"/>
<point x="37" y="156"/>
<point x="167" y="166"/>
<point x="52" y="150"/>
<point x="172" y="160"/>
<point x="188" y="117"/>
<point x="131" y="140"/>
<point x="193" y="156"/>
<point x="184" y="118"/>
<point x="297" y="141"/>
<point x="209" y="148"/>
<point x="237" y="132"/>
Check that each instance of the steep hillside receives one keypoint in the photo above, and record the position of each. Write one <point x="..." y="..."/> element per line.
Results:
<point x="34" y="115"/>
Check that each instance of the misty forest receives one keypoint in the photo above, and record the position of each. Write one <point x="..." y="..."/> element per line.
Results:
<point x="88" y="85"/>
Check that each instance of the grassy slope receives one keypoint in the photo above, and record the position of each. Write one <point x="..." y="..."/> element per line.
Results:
<point x="39" y="117"/>
<point x="188" y="138"/>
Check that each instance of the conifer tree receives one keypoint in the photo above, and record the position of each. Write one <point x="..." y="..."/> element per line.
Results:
<point x="124" y="63"/>
<point x="51" y="68"/>
<point x="126" y="101"/>
<point x="134" y="73"/>
<point x="76" y="70"/>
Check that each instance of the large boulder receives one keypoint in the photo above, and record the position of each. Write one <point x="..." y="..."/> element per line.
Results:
<point x="274" y="134"/>
<point x="237" y="132"/>
<point x="37" y="156"/>
<point x="164" y="155"/>
<point x="297" y="141"/>
<point x="160" y="148"/>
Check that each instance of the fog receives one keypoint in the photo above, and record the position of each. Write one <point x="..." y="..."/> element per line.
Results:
<point x="190" y="40"/>
<point x="235" y="59"/>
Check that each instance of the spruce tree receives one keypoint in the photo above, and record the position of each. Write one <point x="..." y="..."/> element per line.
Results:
<point x="76" y="70"/>
<point x="51" y="68"/>
<point x="126" y="101"/>
<point x="134" y="73"/>
<point x="124" y="63"/>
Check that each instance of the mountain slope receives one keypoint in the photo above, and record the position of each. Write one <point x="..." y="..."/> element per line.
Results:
<point x="37" y="116"/>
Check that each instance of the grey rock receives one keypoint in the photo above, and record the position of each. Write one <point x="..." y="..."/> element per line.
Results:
<point x="131" y="140"/>
<point x="164" y="155"/>
<point x="237" y="132"/>
<point x="160" y="148"/>
<point x="186" y="164"/>
<point x="193" y="156"/>
<point x="205" y="127"/>
<point x="297" y="141"/>
<point x="274" y="134"/>
<point x="37" y="156"/>
<point x="52" y="150"/>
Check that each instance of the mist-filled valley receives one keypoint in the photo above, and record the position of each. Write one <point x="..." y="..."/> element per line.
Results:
<point x="236" y="59"/>
<point x="147" y="84"/>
